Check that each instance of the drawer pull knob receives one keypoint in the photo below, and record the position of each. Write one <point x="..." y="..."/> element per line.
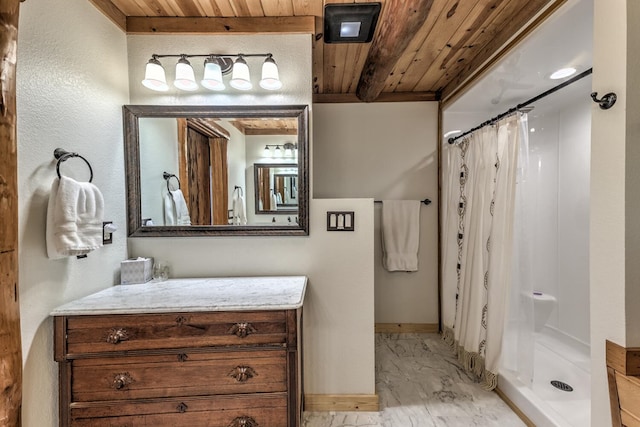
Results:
<point x="117" y="335"/>
<point x="182" y="408"/>
<point x="120" y="381"/>
<point x="182" y="357"/>
<point x="181" y="320"/>
<point x="242" y="373"/>
<point x="242" y="330"/>
<point x="244" y="422"/>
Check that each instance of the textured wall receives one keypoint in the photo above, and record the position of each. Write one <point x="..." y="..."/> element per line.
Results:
<point x="386" y="151"/>
<point x="72" y="82"/>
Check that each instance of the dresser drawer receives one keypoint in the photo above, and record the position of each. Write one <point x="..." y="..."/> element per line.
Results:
<point x="178" y="374"/>
<point x="117" y="333"/>
<point x="218" y="411"/>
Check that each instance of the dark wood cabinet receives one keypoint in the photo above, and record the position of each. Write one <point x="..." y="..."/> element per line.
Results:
<point x="214" y="369"/>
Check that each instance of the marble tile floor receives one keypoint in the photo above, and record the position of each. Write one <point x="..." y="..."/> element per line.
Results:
<point x="421" y="384"/>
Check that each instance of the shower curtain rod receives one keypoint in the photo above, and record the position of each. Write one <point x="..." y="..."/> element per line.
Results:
<point x="524" y="104"/>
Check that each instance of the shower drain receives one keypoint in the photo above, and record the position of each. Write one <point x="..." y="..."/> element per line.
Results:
<point x="561" y="386"/>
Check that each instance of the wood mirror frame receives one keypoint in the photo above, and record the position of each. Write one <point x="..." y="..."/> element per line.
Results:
<point x="135" y="228"/>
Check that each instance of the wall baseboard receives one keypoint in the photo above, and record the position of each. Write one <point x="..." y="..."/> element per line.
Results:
<point x="342" y="402"/>
<point x="399" y="328"/>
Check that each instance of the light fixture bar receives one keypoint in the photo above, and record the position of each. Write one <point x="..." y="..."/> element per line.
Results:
<point x="215" y="66"/>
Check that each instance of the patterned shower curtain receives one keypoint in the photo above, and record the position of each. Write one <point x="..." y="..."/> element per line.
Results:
<point x="478" y="193"/>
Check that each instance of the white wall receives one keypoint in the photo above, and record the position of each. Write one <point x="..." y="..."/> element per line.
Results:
<point x="385" y="151"/>
<point x="158" y="154"/>
<point x="614" y="193"/>
<point x="574" y="141"/>
<point x="71" y="83"/>
<point x="559" y="151"/>
<point x="338" y="340"/>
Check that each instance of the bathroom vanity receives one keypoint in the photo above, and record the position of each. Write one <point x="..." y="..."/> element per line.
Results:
<point x="216" y="352"/>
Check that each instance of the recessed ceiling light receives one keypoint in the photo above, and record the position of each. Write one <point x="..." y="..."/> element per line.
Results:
<point x="562" y="73"/>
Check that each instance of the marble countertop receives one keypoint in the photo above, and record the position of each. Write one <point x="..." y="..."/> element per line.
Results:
<point x="206" y="294"/>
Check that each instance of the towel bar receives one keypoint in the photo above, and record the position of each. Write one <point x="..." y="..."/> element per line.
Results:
<point x="425" y="201"/>
<point x="62" y="155"/>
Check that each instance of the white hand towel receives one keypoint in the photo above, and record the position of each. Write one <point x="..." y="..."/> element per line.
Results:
<point x="239" y="211"/>
<point x="175" y="209"/>
<point x="170" y="216"/>
<point x="400" y="234"/>
<point x="274" y="202"/>
<point x="74" y="218"/>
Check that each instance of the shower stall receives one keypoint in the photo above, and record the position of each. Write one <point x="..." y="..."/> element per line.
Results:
<point x="545" y="357"/>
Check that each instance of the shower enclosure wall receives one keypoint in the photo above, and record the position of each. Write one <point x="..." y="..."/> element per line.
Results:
<point x="553" y="235"/>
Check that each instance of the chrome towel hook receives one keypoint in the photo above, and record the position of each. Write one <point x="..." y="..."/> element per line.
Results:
<point x="606" y="101"/>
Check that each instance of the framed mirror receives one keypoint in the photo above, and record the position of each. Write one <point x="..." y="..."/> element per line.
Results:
<point x="199" y="170"/>
<point x="275" y="188"/>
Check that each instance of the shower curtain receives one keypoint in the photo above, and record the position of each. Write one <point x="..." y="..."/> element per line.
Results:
<point x="479" y="179"/>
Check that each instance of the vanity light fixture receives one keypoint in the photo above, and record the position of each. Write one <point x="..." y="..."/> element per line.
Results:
<point x="212" y="78"/>
<point x="270" y="78"/>
<point x="154" y="76"/>
<point x="185" y="77"/>
<point x="215" y="67"/>
<point x="288" y="149"/>
<point x="241" y="79"/>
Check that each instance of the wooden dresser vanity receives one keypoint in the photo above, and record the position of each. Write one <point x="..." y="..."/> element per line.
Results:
<point x="222" y="352"/>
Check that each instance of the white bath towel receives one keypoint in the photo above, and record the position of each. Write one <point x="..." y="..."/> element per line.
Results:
<point x="239" y="210"/>
<point x="400" y="234"/>
<point x="175" y="209"/>
<point x="274" y="201"/>
<point x="74" y="218"/>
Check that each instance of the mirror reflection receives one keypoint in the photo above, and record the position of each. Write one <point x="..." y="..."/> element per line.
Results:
<point x="276" y="188"/>
<point x="217" y="172"/>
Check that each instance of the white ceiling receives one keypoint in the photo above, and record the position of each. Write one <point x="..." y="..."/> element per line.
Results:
<point x="564" y="40"/>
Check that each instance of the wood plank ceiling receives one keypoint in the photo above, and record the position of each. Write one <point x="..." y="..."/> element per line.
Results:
<point x="422" y="49"/>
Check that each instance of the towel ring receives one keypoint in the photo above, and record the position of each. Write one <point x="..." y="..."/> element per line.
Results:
<point x="63" y="155"/>
<point x="167" y="176"/>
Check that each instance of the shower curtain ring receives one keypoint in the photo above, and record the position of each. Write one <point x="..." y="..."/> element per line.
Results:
<point x="606" y="101"/>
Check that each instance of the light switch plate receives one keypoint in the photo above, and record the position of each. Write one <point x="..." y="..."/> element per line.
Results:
<point x="341" y="220"/>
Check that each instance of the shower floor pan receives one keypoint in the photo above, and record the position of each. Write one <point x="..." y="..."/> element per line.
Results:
<point x="544" y="403"/>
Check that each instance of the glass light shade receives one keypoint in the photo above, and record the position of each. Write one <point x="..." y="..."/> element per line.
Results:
<point x="288" y="152"/>
<point x="267" y="152"/>
<point x="154" y="77"/>
<point x="240" y="78"/>
<point x="212" y="78"/>
<point x="278" y="152"/>
<point x="270" y="79"/>
<point x="185" y="78"/>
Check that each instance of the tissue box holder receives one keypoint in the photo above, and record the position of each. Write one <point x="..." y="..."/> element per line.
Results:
<point x="133" y="271"/>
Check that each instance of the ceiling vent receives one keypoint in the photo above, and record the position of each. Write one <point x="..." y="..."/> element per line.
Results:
<point x="350" y="22"/>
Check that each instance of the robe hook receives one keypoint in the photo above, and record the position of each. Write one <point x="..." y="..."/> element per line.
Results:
<point x="606" y="101"/>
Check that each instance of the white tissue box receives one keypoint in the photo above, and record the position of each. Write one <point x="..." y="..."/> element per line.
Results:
<point x="136" y="270"/>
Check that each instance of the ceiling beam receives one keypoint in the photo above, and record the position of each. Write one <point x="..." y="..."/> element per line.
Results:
<point x="112" y="12"/>
<point x="205" y="25"/>
<point x="270" y="131"/>
<point x="401" y="22"/>
<point x="341" y="98"/>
